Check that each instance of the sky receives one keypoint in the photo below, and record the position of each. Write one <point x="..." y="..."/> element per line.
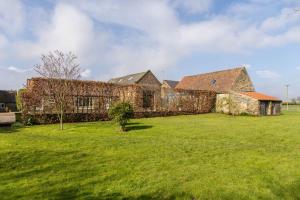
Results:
<point x="173" y="38"/>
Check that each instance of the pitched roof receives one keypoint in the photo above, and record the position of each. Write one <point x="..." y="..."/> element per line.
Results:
<point x="172" y="84"/>
<point x="129" y="79"/>
<point x="260" y="96"/>
<point x="219" y="81"/>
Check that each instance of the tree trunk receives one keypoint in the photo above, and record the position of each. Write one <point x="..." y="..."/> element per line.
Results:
<point x="61" y="120"/>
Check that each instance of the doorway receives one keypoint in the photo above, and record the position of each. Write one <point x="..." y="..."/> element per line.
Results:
<point x="264" y="107"/>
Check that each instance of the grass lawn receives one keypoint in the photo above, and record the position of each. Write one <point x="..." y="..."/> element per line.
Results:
<point x="210" y="156"/>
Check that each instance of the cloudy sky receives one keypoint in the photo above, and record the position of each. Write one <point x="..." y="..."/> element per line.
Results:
<point x="173" y="38"/>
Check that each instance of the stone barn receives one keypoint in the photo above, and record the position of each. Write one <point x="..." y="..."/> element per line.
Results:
<point x="248" y="103"/>
<point x="235" y="92"/>
<point x="168" y="88"/>
<point x="148" y="91"/>
<point x="224" y="81"/>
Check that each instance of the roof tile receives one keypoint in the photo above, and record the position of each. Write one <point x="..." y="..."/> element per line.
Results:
<point x="219" y="81"/>
<point x="260" y="96"/>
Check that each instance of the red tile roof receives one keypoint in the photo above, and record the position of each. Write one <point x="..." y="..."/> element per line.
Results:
<point x="260" y="96"/>
<point x="219" y="81"/>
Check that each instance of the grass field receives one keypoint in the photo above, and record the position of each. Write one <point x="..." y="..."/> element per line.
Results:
<point x="210" y="156"/>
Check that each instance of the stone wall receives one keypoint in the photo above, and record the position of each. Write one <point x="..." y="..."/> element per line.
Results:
<point x="149" y="80"/>
<point x="243" y="83"/>
<point x="237" y="104"/>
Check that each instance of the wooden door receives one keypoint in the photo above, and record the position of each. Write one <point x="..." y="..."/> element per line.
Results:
<point x="263" y="107"/>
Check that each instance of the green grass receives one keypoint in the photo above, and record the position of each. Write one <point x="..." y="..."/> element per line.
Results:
<point x="210" y="156"/>
<point x="292" y="108"/>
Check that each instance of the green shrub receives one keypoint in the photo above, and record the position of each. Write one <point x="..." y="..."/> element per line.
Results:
<point x="19" y="98"/>
<point x="121" y="112"/>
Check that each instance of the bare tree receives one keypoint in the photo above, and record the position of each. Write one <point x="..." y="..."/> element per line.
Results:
<point x="60" y="70"/>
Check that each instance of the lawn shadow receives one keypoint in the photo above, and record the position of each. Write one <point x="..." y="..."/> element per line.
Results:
<point x="139" y="127"/>
<point x="133" y="123"/>
<point x="5" y="129"/>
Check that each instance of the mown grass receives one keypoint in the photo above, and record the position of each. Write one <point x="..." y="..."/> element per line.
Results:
<point x="210" y="156"/>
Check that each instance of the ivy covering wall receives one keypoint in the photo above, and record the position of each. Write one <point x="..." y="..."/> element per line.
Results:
<point x="90" y="101"/>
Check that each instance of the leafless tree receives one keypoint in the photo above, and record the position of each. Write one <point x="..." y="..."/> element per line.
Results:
<point x="60" y="70"/>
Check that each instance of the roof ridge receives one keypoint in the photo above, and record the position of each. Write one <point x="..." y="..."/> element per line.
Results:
<point x="223" y="70"/>
<point x="168" y="80"/>
<point x="131" y="74"/>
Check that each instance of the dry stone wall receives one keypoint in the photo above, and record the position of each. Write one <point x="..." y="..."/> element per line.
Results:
<point x="236" y="104"/>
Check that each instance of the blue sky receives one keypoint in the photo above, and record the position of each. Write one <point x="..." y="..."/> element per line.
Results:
<point x="173" y="38"/>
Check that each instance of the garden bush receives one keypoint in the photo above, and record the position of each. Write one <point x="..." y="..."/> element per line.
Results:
<point x="121" y="113"/>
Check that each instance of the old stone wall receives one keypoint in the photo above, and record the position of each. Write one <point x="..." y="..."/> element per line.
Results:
<point x="237" y="104"/>
<point x="149" y="80"/>
<point x="243" y="83"/>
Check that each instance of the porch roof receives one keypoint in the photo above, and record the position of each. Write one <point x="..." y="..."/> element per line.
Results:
<point x="260" y="96"/>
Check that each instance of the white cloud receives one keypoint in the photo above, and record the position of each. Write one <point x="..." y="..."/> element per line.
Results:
<point x="193" y="6"/>
<point x="86" y="73"/>
<point x="15" y="78"/>
<point x="69" y="30"/>
<point x="268" y="74"/>
<point x="114" y="37"/>
<point x="18" y="70"/>
<point x="11" y="16"/>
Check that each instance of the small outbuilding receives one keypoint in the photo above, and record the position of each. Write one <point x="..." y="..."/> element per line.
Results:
<point x="248" y="103"/>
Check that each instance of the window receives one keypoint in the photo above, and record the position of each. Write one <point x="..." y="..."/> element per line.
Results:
<point x="2" y="107"/>
<point x="148" y="98"/>
<point x="84" y="102"/>
<point x="213" y="82"/>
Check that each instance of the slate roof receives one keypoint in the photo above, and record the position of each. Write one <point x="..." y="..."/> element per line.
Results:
<point x="129" y="79"/>
<point x="172" y="84"/>
<point x="219" y="81"/>
<point x="260" y="96"/>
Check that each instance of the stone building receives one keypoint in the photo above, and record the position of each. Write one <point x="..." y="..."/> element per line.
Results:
<point x="235" y="92"/>
<point x="224" y="81"/>
<point x="248" y="103"/>
<point x="8" y="101"/>
<point x="149" y="87"/>
<point x="168" y="88"/>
